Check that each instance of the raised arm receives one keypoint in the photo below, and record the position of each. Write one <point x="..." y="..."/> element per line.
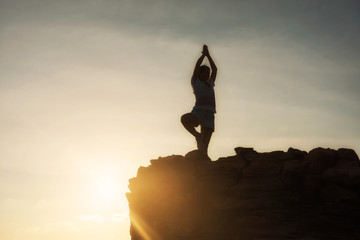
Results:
<point x="212" y="64"/>
<point x="197" y="67"/>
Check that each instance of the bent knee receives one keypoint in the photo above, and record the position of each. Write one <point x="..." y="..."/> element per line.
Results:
<point x="186" y="117"/>
<point x="183" y="118"/>
<point x="189" y="118"/>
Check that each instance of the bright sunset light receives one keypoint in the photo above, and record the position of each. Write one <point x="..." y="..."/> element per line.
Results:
<point x="92" y="90"/>
<point x="107" y="190"/>
<point x="106" y="187"/>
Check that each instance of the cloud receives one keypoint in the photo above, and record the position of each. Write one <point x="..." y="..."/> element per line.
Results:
<point x="120" y="217"/>
<point x="197" y="19"/>
<point x="90" y="218"/>
<point x="97" y="218"/>
<point x="327" y="27"/>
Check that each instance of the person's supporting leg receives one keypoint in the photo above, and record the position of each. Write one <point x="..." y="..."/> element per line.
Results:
<point x="190" y="122"/>
<point x="206" y="136"/>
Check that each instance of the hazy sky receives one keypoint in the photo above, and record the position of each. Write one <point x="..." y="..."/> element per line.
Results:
<point x="90" y="90"/>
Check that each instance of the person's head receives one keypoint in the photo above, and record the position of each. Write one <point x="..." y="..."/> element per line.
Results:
<point x="204" y="73"/>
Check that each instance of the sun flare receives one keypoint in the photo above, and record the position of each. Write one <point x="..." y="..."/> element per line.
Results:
<point x="106" y="187"/>
<point x="106" y="190"/>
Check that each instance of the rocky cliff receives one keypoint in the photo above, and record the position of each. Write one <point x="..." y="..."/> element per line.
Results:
<point x="275" y="195"/>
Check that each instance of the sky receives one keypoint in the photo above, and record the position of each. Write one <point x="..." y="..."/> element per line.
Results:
<point x="92" y="90"/>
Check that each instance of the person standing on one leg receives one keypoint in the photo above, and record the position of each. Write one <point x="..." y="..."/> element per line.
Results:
<point x="203" y="112"/>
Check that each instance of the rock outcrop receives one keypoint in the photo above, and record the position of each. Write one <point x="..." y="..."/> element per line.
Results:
<point x="248" y="196"/>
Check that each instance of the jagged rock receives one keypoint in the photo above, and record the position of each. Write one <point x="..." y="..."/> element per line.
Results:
<point x="264" y="167"/>
<point x="293" y="171"/>
<point x="347" y="158"/>
<point x="197" y="155"/>
<point x="344" y="176"/>
<point x="335" y="193"/>
<point x="219" y="178"/>
<point x="294" y="167"/>
<point x="296" y="153"/>
<point x="320" y="159"/>
<point x="166" y="160"/>
<point x="236" y="162"/>
<point x="249" y="196"/>
<point x="248" y="154"/>
<point x="244" y="151"/>
<point x="280" y="156"/>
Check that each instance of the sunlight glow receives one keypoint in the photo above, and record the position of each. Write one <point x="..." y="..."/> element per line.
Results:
<point x="142" y="228"/>
<point x="107" y="190"/>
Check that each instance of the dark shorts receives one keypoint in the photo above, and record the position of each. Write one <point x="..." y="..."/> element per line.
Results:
<point x="205" y="118"/>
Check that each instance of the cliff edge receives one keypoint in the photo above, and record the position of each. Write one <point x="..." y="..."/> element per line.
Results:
<point x="248" y="196"/>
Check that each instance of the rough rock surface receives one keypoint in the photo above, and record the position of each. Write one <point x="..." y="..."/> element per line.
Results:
<point x="249" y="196"/>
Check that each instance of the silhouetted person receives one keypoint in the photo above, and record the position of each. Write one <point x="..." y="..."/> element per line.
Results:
<point x="203" y="112"/>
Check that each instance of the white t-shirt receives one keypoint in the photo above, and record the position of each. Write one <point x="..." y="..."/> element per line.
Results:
<point x="204" y="94"/>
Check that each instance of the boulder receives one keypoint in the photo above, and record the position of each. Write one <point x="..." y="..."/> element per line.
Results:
<point x="343" y="176"/>
<point x="293" y="171"/>
<point x="197" y="156"/>
<point x="249" y="196"/>
<point x="263" y="167"/>
<point x="347" y="158"/>
<point x="320" y="159"/>
<point x="236" y="162"/>
<point x="248" y="154"/>
<point x="296" y="153"/>
<point x="335" y="193"/>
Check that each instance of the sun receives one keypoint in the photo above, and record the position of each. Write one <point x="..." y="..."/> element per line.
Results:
<point x="106" y="189"/>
